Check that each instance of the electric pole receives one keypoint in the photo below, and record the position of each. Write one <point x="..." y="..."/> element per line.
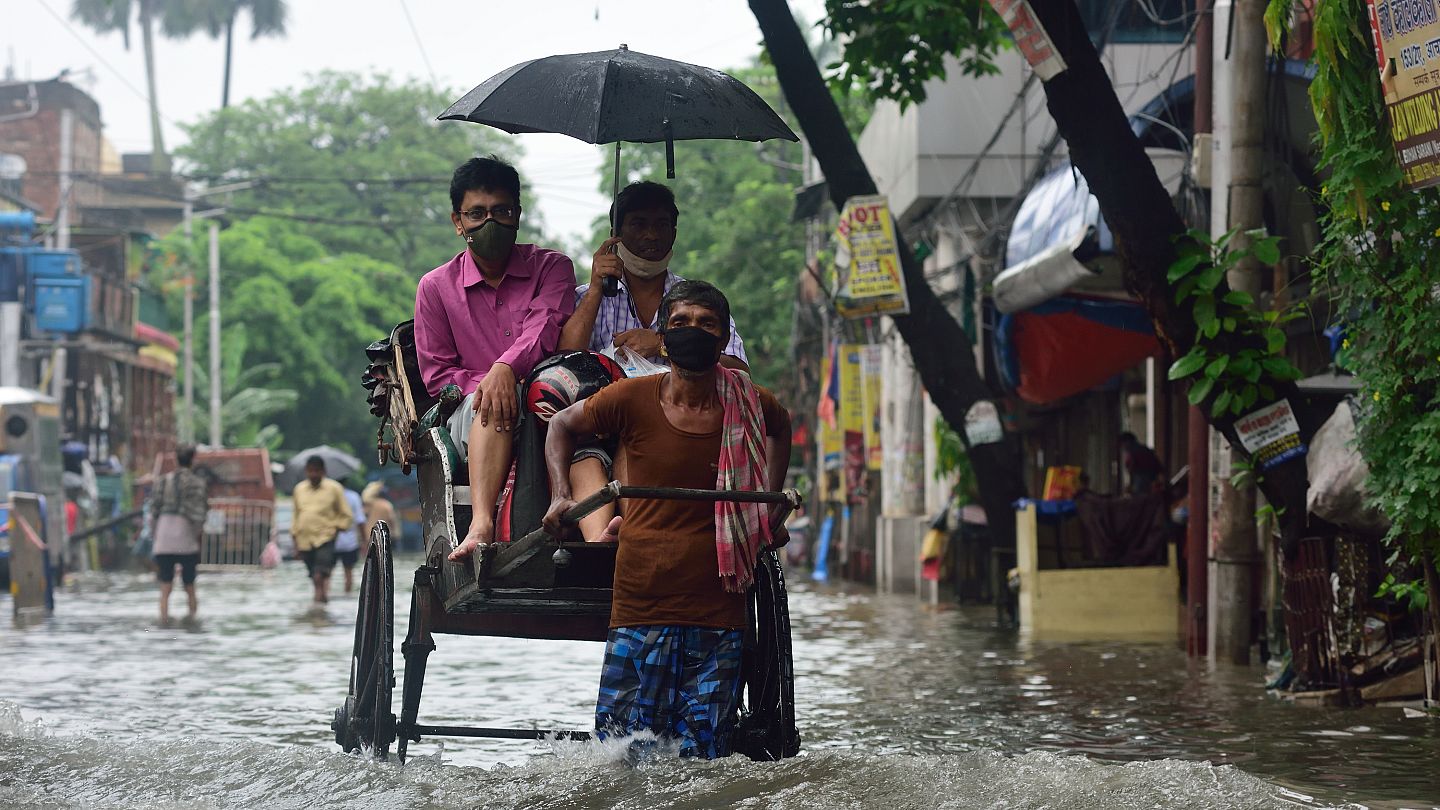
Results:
<point x="1233" y="566"/>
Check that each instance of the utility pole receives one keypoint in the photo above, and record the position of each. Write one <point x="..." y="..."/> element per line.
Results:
<point x="1232" y="570"/>
<point x="187" y="422"/>
<point x="215" y="440"/>
<point x="1197" y="524"/>
<point x="58" y="359"/>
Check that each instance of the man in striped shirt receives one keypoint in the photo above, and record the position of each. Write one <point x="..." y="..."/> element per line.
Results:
<point x="645" y="217"/>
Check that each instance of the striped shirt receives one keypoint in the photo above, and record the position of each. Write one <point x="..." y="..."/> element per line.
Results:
<point x="617" y="314"/>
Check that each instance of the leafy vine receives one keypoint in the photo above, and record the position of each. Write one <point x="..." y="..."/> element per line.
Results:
<point x="1231" y="375"/>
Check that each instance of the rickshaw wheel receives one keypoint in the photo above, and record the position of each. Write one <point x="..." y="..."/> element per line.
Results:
<point x="766" y="729"/>
<point x="366" y="721"/>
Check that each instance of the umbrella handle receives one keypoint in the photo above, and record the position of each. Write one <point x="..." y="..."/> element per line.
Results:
<point x="610" y="287"/>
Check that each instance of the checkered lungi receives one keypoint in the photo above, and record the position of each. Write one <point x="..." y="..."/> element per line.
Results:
<point x="678" y="682"/>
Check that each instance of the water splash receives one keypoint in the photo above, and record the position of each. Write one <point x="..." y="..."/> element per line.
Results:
<point x="67" y="771"/>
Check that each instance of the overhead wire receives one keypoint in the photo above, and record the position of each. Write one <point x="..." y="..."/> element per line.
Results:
<point x="994" y="232"/>
<point x="145" y="97"/>
<point x="424" y="56"/>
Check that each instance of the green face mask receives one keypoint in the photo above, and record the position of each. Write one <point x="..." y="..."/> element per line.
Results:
<point x="491" y="240"/>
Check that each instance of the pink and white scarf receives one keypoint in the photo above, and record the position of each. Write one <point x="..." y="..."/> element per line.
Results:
<point x="741" y="529"/>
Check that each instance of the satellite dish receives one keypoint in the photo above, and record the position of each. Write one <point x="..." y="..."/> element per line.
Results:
<point x="12" y="167"/>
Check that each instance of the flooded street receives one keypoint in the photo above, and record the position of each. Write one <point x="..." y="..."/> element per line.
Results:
<point x="899" y="707"/>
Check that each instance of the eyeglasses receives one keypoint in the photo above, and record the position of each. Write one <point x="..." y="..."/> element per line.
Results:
<point x="480" y="213"/>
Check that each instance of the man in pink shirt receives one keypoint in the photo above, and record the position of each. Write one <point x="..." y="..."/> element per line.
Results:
<point x="483" y="320"/>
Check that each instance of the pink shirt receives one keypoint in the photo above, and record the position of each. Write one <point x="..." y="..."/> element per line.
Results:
<point x="463" y="325"/>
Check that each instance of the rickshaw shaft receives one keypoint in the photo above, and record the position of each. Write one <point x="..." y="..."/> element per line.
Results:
<point x="503" y="733"/>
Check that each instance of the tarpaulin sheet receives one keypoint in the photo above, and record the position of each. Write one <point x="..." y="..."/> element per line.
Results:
<point x="1071" y="344"/>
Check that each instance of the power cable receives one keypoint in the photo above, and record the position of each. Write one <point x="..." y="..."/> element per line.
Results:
<point x="434" y="82"/>
<point x="84" y="43"/>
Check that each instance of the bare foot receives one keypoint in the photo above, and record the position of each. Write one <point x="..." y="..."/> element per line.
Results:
<point x="474" y="542"/>
<point x="612" y="531"/>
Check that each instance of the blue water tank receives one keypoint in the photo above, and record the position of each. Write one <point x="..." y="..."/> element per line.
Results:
<point x="12" y="273"/>
<point x="62" y="304"/>
<point x="20" y="224"/>
<point x="52" y="263"/>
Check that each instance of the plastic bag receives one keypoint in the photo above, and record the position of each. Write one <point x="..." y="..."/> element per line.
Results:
<point x="1337" y="476"/>
<point x="633" y="364"/>
<point x="270" y="557"/>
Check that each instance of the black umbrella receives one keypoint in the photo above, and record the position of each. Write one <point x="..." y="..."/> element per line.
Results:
<point x="620" y="95"/>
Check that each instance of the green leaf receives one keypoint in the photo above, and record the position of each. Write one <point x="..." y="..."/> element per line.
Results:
<point x="1228" y="324"/>
<point x="1183" y="265"/>
<point x="1185" y="290"/>
<point x="1211" y="329"/>
<point x="1274" y="340"/>
<point x="1204" y="310"/>
<point x="1248" y="395"/>
<point x="1239" y="298"/>
<point x="1217" y="366"/>
<point x="1200" y="390"/>
<point x="1267" y="250"/>
<point x="1211" y="278"/>
<point x="1187" y="365"/>
<point x="1222" y="404"/>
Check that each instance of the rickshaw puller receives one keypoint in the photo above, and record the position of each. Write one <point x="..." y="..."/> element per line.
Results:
<point x="672" y="658"/>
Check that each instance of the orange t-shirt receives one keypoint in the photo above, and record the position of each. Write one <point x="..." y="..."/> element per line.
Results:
<point x="666" y="571"/>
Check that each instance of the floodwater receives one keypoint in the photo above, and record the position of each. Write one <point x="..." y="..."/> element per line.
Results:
<point x="900" y="706"/>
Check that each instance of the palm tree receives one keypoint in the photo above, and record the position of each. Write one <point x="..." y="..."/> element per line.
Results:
<point x="247" y="399"/>
<point x="217" y="18"/>
<point x="104" y="16"/>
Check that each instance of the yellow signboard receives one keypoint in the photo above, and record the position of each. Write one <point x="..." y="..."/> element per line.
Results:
<point x="852" y="421"/>
<point x="870" y="373"/>
<point x="1407" y="47"/>
<point x="867" y="262"/>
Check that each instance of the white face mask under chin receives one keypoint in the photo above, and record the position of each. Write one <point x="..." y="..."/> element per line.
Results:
<point x="641" y="268"/>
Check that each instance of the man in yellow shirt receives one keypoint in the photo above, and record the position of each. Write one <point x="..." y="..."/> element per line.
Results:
<point x="321" y="512"/>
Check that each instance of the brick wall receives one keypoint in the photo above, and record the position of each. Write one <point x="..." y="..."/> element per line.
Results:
<point x="37" y="139"/>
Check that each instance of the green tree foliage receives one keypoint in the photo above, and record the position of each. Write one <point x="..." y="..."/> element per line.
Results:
<point x="1379" y="245"/>
<point x="893" y="48"/>
<point x="358" y="163"/>
<point x="307" y="313"/>
<point x="247" y="405"/>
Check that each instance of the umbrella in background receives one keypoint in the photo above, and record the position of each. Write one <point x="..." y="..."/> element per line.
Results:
<point x="620" y="95"/>
<point x="338" y="464"/>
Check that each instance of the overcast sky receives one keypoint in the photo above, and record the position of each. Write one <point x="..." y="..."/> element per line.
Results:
<point x="464" y="43"/>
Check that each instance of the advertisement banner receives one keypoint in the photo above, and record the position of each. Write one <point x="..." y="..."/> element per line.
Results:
<point x="1407" y="48"/>
<point x="852" y="421"/>
<point x="1271" y="434"/>
<point x="867" y="263"/>
<point x="1031" y="38"/>
<point x="870" y="373"/>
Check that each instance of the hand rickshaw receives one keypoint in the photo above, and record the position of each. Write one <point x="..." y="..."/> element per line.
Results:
<point x="533" y="587"/>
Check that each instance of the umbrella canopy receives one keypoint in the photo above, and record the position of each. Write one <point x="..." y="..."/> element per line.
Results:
<point x="620" y="95"/>
<point x="338" y="464"/>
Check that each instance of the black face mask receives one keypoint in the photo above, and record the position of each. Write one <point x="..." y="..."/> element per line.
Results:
<point x="491" y="240"/>
<point x="692" y="348"/>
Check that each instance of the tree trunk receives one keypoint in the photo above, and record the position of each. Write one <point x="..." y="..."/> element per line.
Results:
<point x="938" y="345"/>
<point x="1145" y="224"/>
<point x="159" y="160"/>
